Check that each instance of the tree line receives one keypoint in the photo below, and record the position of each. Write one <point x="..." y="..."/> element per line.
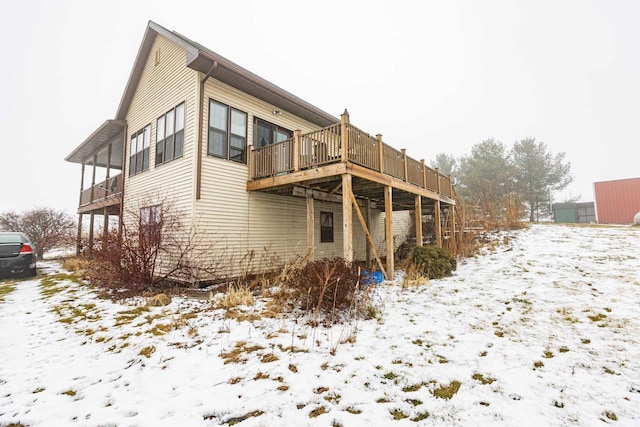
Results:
<point x="493" y="177"/>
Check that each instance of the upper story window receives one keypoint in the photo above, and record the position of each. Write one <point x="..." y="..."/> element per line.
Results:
<point x="170" y="135"/>
<point x="227" y="132"/>
<point x="139" y="151"/>
<point x="268" y="133"/>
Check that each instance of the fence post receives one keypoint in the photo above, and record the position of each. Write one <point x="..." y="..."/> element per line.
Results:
<point x="344" y="136"/>
<point x="296" y="150"/>
<point x="404" y="163"/>
<point x="380" y="153"/>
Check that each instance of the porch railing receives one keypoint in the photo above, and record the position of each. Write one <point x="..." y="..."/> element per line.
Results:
<point x="105" y="190"/>
<point x="324" y="146"/>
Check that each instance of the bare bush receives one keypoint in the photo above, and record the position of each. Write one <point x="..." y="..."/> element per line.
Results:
<point x="47" y="227"/>
<point x="327" y="288"/>
<point x="154" y="249"/>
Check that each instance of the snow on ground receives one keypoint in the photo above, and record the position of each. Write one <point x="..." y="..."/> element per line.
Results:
<point x="543" y="331"/>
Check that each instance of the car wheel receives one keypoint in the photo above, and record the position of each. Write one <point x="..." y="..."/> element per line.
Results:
<point x="31" y="272"/>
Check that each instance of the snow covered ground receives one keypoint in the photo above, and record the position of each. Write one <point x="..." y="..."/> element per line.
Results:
<point x="543" y="331"/>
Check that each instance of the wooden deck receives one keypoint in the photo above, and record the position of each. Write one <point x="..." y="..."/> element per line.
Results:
<point x="106" y="194"/>
<point x="317" y="160"/>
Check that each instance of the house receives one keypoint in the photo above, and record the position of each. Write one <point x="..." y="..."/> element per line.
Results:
<point x="617" y="201"/>
<point x="251" y="166"/>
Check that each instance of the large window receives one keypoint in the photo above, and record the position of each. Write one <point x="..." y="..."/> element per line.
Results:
<point x="267" y="133"/>
<point x="139" y="151"/>
<point x="170" y="135"/>
<point x="227" y="132"/>
<point x="326" y="227"/>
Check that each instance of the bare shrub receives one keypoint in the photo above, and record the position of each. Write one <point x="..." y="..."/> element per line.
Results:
<point x="47" y="227"/>
<point x="328" y="287"/>
<point x="154" y="251"/>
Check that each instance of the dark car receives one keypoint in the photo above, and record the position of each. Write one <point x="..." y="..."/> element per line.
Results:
<point x="17" y="254"/>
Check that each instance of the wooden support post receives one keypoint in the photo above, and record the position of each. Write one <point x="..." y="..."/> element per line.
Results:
<point x="367" y="221"/>
<point x="296" y="150"/>
<point x="310" y="225"/>
<point x="252" y="162"/>
<point x="388" y="222"/>
<point x="91" y="222"/>
<point x="347" y="219"/>
<point x="106" y="179"/>
<point x="418" y="216"/>
<point x="344" y="136"/>
<point x="79" y="237"/>
<point x="404" y="164"/>
<point x="367" y="233"/>
<point x="105" y="225"/>
<point x="380" y="153"/>
<point x="452" y="238"/>
<point x="438" y="223"/>
<point x="424" y="174"/>
<point x="437" y="212"/>
<point x="93" y="178"/>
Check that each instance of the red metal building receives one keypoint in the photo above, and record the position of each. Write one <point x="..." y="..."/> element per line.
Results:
<point x="617" y="201"/>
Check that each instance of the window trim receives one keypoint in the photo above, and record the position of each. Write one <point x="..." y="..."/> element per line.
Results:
<point x="175" y="138"/>
<point x="228" y="134"/>
<point x="274" y="128"/>
<point x="326" y="229"/>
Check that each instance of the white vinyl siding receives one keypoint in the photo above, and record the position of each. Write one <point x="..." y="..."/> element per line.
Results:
<point x="162" y="87"/>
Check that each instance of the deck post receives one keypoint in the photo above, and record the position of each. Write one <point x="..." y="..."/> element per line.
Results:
<point x="452" y="227"/>
<point x="404" y="163"/>
<point x="93" y="178"/>
<point x="424" y="174"/>
<point x="437" y="212"/>
<point x="296" y="150"/>
<point x="452" y="238"/>
<point x="344" y="136"/>
<point x="347" y="218"/>
<point x="79" y="237"/>
<point x="388" y="222"/>
<point x="367" y="221"/>
<point x="252" y="160"/>
<point x="310" y="225"/>
<point x="105" y="225"/>
<point x="380" y="153"/>
<point x="418" y="215"/>
<point x="91" y="222"/>
<point x="108" y="175"/>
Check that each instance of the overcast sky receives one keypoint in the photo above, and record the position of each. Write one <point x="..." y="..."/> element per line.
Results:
<point x="430" y="76"/>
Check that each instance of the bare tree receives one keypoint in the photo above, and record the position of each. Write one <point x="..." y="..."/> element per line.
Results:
<point x="46" y="227"/>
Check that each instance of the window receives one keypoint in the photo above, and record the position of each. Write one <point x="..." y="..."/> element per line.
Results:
<point x="326" y="227"/>
<point x="139" y="151"/>
<point x="170" y="135"/>
<point x="267" y="133"/>
<point x="150" y="225"/>
<point x="227" y="132"/>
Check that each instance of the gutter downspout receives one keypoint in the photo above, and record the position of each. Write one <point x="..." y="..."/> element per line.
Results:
<point x="200" y="125"/>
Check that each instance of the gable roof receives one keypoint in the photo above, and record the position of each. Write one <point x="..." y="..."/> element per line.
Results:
<point x="201" y="59"/>
<point x="204" y="60"/>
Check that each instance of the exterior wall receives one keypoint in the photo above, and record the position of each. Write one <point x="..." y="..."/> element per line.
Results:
<point x="162" y="87"/>
<point x="242" y="222"/>
<point x="617" y="201"/>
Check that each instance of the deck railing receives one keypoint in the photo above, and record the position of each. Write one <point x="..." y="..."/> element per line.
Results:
<point x="324" y="146"/>
<point x="105" y="190"/>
